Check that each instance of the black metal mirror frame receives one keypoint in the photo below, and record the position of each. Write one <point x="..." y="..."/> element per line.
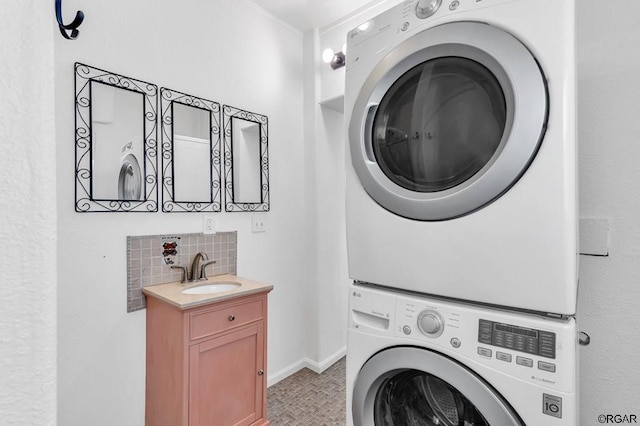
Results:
<point x="169" y="204"/>
<point x="84" y="199"/>
<point x="231" y="205"/>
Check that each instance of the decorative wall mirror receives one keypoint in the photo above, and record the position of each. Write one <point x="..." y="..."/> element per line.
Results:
<point x="116" y="142"/>
<point x="246" y="160"/>
<point x="191" y="177"/>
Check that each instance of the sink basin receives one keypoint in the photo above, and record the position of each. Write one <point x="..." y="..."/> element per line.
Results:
<point x="211" y="288"/>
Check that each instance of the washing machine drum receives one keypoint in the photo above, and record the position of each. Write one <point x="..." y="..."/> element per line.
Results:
<point x="408" y="386"/>
<point x="448" y="121"/>
<point x="416" y="398"/>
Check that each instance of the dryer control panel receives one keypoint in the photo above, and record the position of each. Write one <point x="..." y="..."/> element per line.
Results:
<point x="528" y="340"/>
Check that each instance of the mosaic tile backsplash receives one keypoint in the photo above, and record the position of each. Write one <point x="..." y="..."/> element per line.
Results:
<point x="149" y="259"/>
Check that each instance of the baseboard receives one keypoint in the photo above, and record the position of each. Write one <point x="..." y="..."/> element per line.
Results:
<point x="319" y="367"/>
<point x="274" y="378"/>
<point x="316" y="367"/>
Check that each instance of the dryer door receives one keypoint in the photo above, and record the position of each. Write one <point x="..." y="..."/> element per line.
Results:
<point x="411" y="386"/>
<point x="448" y="121"/>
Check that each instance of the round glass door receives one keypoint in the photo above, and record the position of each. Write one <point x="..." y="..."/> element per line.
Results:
<point x="448" y="121"/>
<point x="407" y="386"/>
<point x="439" y="124"/>
<point x="426" y="401"/>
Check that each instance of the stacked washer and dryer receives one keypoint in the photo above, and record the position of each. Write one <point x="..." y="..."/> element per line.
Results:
<point x="462" y="214"/>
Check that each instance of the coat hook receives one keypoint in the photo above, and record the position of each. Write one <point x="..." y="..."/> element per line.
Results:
<point x="583" y="338"/>
<point x="73" y="26"/>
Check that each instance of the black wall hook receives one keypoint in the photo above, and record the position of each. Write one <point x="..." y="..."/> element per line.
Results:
<point x="73" y="26"/>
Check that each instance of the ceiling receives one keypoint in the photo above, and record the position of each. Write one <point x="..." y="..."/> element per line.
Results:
<point x="307" y="14"/>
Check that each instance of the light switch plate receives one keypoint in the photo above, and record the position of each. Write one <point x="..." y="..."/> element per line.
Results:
<point x="258" y="223"/>
<point x="209" y="224"/>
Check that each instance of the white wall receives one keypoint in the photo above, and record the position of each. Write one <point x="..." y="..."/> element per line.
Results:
<point x="328" y="304"/>
<point x="227" y="51"/>
<point x="609" y="145"/>
<point x="28" y="216"/>
<point x="325" y="139"/>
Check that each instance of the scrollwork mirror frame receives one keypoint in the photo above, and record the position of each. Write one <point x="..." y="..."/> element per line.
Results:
<point x="231" y="204"/>
<point x="168" y="98"/>
<point x="85" y="202"/>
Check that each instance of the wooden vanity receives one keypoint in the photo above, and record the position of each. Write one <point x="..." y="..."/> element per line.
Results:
<point x="207" y="355"/>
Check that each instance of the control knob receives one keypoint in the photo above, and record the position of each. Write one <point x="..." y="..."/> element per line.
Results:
<point x="426" y="8"/>
<point x="430" y="323"/>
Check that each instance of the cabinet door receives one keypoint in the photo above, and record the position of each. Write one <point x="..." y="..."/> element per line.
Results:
<point x="226" y="379"/>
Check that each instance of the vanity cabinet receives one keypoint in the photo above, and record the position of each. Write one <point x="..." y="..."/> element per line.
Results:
<point x="207" y="365"/>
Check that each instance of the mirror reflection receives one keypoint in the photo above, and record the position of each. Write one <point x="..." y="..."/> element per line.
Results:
<point x="246" y="160"/>
<point x="191" y="153"/>
<point x="115" y="142"/>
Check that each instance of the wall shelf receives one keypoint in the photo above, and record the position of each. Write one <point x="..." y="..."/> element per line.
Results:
<point x="336" y="104"/>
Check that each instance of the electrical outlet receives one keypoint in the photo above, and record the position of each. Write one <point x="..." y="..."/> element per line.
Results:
<point x="258" y="223"/>
<point x="209" y="224"/>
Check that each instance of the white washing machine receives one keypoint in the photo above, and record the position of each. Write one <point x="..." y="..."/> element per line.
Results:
<point x="130" y="175"/>
<point x="461" y="120"/>
<point x="422" y="361"/>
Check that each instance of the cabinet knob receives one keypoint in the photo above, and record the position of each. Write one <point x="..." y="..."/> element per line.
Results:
<point x="232" y="317"/>
<point x="260" y="372"/>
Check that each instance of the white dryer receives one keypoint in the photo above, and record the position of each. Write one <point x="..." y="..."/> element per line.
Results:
<point x="462" y="145"/>
<point x="422" y="361"/>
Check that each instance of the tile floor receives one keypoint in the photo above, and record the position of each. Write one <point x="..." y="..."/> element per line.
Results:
<point x="309" y="399"/>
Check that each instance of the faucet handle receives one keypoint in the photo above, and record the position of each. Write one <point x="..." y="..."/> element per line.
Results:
<point x="185" y="274"/>
<point x="203" y="270"/>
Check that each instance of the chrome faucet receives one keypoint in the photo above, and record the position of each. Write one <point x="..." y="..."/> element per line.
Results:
<point x="198" y="268"/>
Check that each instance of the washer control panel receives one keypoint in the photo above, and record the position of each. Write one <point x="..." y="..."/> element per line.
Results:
<point x="534" y="349"/>
<point x="528" y="340"/>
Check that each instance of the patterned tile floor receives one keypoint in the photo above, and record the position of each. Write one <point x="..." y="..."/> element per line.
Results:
<point x="309" y="399"/>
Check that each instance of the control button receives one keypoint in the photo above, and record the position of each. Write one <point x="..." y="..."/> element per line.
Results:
<point x="484" y="351"/>
<point x="406" y="330"/>
<point x="547" y="344"/>
<point x="484" y="338"/>
<point x="426" y="8"/>
<point x="430" y="323"/>
<point x="455" y="342"/>
<point x="454" y="5"/>
<point x="546" y="366"/>
<point x="404" y="27"/>
<point x="485" y="325"/>
<point x="527" y="362"/>
<point x="503" y="356"/>
<point x="485" y="329"/>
